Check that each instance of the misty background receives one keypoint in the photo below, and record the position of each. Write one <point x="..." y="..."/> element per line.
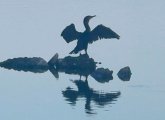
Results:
<point x="32" y="28"/>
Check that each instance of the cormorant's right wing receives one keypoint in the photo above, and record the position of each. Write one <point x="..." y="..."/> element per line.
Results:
<point x="69" y="33"/>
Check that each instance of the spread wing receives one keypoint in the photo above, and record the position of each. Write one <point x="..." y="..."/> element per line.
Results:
<point x="101" y="32"/>
<point x="69" y="33"/>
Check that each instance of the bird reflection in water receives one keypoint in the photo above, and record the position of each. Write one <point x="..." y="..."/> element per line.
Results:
<point x="91" y="96"/>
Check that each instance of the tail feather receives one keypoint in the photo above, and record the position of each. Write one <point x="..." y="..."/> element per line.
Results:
<point x="73" y="52"/>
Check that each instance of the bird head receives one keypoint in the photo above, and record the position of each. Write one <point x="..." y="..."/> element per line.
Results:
<point x="87" y="18"/>
<point x="117" y="36"/>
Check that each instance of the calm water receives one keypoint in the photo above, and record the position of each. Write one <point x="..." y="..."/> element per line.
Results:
<point x="32" y="28"/>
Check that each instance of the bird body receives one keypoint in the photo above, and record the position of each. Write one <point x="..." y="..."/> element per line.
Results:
<point x="69" y="34"/>
<point x="82" y="43"/>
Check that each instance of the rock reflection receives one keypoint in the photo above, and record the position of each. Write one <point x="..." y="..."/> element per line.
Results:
<point x="35" y="64"/>
<point x="84" y="91"/>
<point x="82" y="65"/>
<point x="102" y="75"/>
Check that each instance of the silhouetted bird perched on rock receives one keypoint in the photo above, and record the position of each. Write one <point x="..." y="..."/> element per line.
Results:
<point x="88" y="36"/>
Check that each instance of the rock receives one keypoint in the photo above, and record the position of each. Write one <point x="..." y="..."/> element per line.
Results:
<point x="82" y="65"/>
<point x="125" y="74"/>
<point x="53" y="61"/>
<point x="35" y="64"/>
<point x="102" y="75"/>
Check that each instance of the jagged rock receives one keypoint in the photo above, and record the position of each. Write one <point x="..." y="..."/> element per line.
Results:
<point x="125" y="74"/>
<point x="35" y="64"/>
<point x="82" y="65"/>
<point x="102" y="75"/>
<point x="53" y="61"/>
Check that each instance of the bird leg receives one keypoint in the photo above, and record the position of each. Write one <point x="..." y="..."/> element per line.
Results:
<point x="86" y="52"/>
<point x="80" y="77"/>
<point x="86" y="78"/>
<point x="80" y="54"/>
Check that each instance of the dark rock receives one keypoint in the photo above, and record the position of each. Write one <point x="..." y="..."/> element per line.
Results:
<point x="35" y="64"/>
<point x="82" y="65"/>
<point x="53" y="61"/>
<point x="125" y="74"/>
<point x="102" y="75"/>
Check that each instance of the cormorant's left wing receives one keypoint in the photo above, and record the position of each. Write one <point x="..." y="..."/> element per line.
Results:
<point x="69" y="33"/>
<point x="101" y="32"/>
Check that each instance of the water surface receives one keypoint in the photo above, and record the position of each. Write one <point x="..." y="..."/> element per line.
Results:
<point x="32" y="28"/>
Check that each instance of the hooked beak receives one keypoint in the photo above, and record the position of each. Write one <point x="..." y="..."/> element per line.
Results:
<point x="93" y="16"/>
<point x="118" y="37"/>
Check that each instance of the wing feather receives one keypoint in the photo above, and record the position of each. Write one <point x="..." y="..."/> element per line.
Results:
<point x="102" y="32"/>
<point x="69" y="33"/>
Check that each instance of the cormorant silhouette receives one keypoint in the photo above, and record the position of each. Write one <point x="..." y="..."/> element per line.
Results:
<point x="84" y="38"/>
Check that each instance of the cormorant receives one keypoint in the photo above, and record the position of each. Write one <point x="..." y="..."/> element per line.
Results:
<point x="84" y="38"/>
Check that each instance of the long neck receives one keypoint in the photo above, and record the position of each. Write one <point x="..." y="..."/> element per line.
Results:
<point x="86" y="24"/>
